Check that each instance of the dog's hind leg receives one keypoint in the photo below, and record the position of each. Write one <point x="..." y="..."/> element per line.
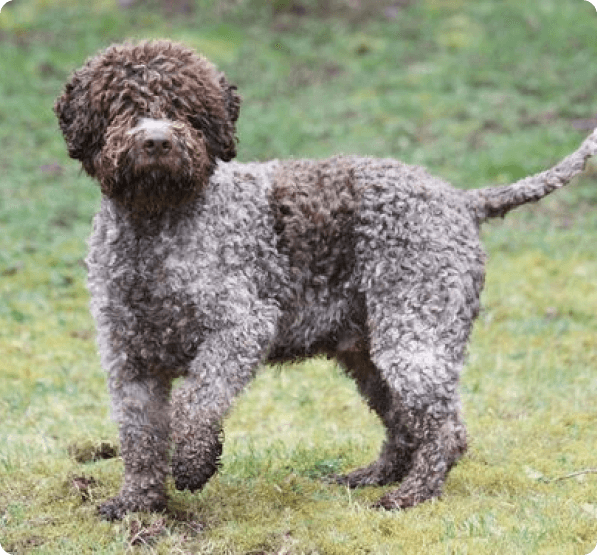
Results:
<point x="396" y="454"/>
<point x="417" y="341"/>
<point x="421" y="269"/>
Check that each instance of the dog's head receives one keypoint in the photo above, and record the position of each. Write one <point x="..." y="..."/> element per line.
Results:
<point x="148" y="121"/>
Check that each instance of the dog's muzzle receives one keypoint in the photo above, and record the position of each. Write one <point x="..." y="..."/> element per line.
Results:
<point x="154" y="138"/>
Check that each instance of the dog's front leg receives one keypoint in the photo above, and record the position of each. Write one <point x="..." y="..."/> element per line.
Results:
<point x="141" y="407"/>
<point x="225" y="363"/>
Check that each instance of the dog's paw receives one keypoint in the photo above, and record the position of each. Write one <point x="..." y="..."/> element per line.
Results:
<point x="117" y="507"/>
<point x="405" y="498"/>
<point x="113" y="509"/>
<point x="379" y="473"/>
<point x="190" y="476"/>
<point x="360" y="478"/>
<point x="194" y="463"/>
<point x="392" y="502"/>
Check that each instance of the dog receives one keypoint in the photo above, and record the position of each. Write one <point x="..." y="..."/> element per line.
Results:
<point x="203" y="268"/>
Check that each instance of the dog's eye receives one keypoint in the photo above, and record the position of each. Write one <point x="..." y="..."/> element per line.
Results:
<point x="177" y="105"/>
<point x="199" y="121"/>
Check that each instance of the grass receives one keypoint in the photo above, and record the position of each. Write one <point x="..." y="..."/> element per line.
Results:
<point x="481" y="92"/>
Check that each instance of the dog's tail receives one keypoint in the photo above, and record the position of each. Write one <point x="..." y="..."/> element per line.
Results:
<point x="491" y="202"/>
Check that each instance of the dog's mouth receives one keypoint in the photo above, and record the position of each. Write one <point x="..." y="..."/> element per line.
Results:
<point x="155" y="166"/>
<point x="153" y="187"/>
<point x="171" y="167"/>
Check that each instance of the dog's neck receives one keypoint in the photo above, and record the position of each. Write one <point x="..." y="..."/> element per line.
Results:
<point x="143" y="223"/>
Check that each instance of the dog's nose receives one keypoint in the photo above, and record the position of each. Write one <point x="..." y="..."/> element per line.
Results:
<point x="157" y="142"/>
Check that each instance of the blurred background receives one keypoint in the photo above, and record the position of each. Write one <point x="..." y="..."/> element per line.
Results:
<point x="481" y="92"/>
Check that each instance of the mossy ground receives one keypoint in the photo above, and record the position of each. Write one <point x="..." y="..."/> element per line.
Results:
<point x="479" y="91"/>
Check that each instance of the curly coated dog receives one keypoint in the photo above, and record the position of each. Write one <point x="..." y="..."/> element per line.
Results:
<point x="204" y="269"/>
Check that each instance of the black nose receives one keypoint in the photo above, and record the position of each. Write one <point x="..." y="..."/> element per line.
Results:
<point x="157" y="142"/>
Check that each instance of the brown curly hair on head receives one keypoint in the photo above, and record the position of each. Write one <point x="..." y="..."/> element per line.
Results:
<point x="105" y="100"/>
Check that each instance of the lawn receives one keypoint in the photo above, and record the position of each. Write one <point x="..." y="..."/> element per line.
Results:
<point x="481" y="92"/>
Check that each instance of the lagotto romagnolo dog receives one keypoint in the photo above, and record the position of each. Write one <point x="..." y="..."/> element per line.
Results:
<point x="205" y="269"/>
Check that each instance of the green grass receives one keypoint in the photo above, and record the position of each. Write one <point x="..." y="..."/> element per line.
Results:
<point x="479" y="91"/>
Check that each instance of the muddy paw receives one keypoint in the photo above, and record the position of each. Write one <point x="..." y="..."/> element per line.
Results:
<point x="359" y="478"/>
<point x="376" y="474"/>
<point x="187" y="477"/>
<point x="403" y="498"/>
<point x="192" y="472"/>
<point x="113" y="509"/>
<point x="117" y="507"/>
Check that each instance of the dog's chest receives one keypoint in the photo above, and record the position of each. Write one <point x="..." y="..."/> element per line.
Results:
<point x="141" y="284"/>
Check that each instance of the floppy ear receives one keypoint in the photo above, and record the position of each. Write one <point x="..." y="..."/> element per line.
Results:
<point x="231" y="98"/>
<point x="81" y="122"/>
<point x="221" y="132"/>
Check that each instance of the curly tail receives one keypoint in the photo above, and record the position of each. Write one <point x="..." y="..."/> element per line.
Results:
<point x="491" y="202"/>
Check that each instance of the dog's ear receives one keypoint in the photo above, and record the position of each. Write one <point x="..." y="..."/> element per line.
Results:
<point x="81" y="122"/>
<point x="221" y="132"/>
<point x="231" y="98"/>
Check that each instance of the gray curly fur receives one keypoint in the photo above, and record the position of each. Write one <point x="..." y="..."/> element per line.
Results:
<point x="205" y="269"/>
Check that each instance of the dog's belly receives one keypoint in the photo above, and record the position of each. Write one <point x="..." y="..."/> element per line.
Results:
<point x="312" y="328"/>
